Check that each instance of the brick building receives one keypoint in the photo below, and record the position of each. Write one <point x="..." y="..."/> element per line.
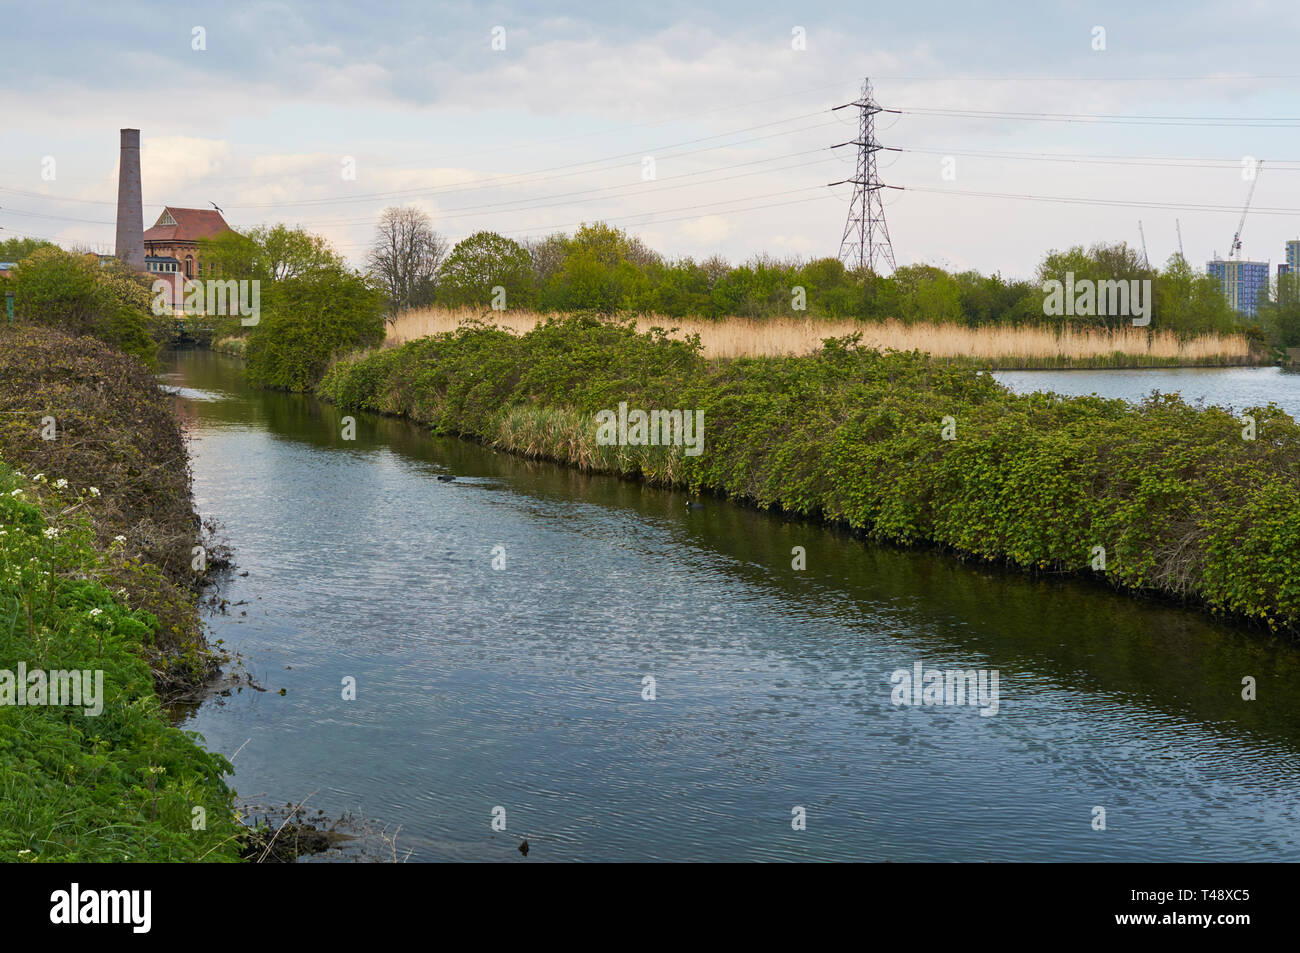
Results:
<point x="171" y="246"/>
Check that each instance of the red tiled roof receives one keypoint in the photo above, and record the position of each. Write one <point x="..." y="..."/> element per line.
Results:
<point x="191" y="225"/>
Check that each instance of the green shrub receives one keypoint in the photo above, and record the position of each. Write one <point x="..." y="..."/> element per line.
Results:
<point x="306" y="322"/>
<point x="75" y="293"/>
<point x="1180" y="502"/>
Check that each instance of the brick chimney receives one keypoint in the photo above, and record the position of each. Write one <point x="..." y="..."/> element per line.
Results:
<point x="130" y="204"/>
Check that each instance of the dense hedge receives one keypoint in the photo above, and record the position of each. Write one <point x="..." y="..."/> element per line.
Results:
<point x="77" y="294"/>
<point x="1180" y="501"/>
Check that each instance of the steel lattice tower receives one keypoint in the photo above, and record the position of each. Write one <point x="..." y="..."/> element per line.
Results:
<point x="866" y="241"/>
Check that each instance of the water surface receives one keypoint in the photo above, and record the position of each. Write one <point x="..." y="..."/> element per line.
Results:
<point x="522" y="687"/>
<point x="1235" y="387"/>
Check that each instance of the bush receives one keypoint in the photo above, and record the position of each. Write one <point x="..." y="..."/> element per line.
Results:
<point x="74" y="293"/>
<point x="307" y="322"/>
<point x="1182" y="504"/>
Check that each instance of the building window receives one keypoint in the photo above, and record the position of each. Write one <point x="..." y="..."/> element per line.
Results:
<point x="189" y="267"/>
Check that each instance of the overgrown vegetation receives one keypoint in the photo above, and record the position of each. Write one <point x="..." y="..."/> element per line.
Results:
<point x="113" y="429"/>
<point x="77" y="294"/>
<point x="96" y="532"/>
<point x="120" y="785"/>
<point x="1180" y="501"/>
<point x="313" y="307"/>
<point x="306" y="322"/>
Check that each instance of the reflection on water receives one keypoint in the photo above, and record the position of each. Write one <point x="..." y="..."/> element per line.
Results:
<point x="522" y="687"/>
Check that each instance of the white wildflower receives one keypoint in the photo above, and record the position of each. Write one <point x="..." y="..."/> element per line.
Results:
<point x="51" y="533"/>
<point x="94" y="491"/>
<point x="61" y="484"/>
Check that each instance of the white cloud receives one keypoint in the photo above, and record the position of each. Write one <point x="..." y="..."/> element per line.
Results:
<point x="706" y="229"/>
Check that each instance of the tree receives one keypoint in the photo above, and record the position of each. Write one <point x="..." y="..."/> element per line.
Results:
<point x="406" y="257"/>
<point x="16" y="249"/>
<point x="1280" y="319"/>
<point x="481" y="263"/>
<point x="309" y="320"/>
<point x="269" y="253"/>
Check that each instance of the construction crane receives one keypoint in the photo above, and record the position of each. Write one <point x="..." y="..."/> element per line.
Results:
<point x="1179" y="228"/>
<point x="1146" y="262"/>
<point x="1236" y="238"/>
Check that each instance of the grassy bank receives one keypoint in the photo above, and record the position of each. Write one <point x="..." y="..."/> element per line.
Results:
<point x="96" y="534"/>
<point x="119" y="785"/>
<point x="1180" y="502"/>
<point x="996" y="346"/>
<point x="113" y="429"/>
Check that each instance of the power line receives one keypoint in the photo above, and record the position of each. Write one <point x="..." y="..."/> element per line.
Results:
<point x="655" y="185"/>
<point x="1210" y="77"/>
<point x="1117" y="203"/>
<point x="59" y="218"/>
<point x="654" y="214"/>
<point x="1231" y="122"/>
<point x="498" y="179"/>
<point x="1159" y="162"/>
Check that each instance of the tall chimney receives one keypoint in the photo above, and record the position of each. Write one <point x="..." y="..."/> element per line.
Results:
<point x="130" y="205"/>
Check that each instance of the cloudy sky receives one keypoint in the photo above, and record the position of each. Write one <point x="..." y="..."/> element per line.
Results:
<point x="323" y="113"/>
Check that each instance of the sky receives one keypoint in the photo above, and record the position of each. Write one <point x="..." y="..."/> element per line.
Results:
<point x="703" y="131"/>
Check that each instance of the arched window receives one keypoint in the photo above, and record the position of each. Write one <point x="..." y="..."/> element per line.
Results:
<point x="189" y="266"/>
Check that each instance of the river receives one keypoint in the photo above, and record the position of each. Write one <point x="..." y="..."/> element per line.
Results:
<point x="522" y="687"/>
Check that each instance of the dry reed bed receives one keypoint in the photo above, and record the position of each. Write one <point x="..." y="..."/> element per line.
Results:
<point x="1001" y="346"/>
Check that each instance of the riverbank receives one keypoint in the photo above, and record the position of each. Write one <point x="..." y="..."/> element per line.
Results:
<point x="97" y="575"/>
<point x="1161" y="496"/>
<point x="233" y="346"/>
<point x="994" y="347"/>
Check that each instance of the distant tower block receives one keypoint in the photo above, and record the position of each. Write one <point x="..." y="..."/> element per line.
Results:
<point x="130" y="205"/>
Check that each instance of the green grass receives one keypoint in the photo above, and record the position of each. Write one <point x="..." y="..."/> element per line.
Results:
<point x="120" y="786"/>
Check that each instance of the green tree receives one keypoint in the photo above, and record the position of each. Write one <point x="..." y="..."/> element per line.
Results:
<point x="482" y="262"/>
<point x="269" y="253"/>
<point x="1280" y="318"/>
<point x="16" y="249"/>
<point x="309" y="320"/>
